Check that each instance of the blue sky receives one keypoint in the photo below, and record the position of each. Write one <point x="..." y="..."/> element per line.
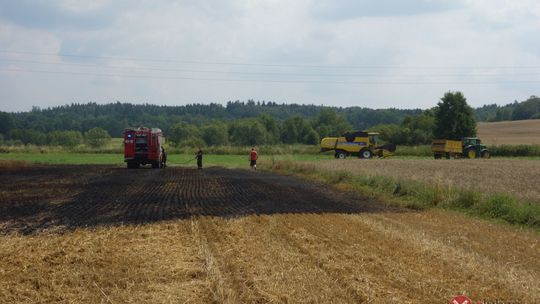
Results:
<point x="376" y="54"/>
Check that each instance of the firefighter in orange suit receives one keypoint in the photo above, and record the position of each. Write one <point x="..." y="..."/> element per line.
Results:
<point x="253" y="158"/>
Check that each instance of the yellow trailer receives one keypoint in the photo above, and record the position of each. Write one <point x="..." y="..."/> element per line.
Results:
<point x="446" y="146"/>
<point x="469" y="147"/>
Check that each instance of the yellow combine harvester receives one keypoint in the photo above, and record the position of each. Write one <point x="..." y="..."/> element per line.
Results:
<point x="359" y="143"/>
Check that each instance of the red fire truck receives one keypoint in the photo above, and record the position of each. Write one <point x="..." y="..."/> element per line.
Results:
<point x="143" y="146"/>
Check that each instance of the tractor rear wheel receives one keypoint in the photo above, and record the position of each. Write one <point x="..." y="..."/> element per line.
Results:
<point x="366" y="154"/>
<point x="471" y="153"/>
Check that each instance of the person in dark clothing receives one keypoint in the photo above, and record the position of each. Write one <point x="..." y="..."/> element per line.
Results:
<point x="253" y="156"/>
<point x="199" y="156"/>
<point x="163" y="157"/>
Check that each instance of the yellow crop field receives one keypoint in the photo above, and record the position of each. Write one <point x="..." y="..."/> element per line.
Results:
<point x="102" y="234"/>
<point x="516" y="176"/>
<point x="518" y="132"/>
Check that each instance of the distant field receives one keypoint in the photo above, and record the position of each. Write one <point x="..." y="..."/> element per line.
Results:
<point x="516" y="176"/>
<point x="518" y="132"/>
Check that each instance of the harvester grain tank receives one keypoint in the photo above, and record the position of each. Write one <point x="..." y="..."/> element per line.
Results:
<point x="143" y="146"/>
<point x="358" y="143"/>
<point x="470" y="147"/>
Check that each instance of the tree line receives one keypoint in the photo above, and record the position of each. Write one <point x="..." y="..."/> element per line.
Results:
<point x="263" y="129"/>
<point x="95" y="137"/>
<point x="528" y="109"/>
<point x="197" y="124"/>
<point x="246" y="123"/>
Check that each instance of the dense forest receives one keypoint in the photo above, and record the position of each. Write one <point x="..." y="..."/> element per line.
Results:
<point x="197" y="124"/>
<point x="246" y="123"/>
<point x="528" y="109"/>
<point x="115" y="116"/>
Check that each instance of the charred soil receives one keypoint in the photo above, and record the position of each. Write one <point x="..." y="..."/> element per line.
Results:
<point x="55" y="198"/>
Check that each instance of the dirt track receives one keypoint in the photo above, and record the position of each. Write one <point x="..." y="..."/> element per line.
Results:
<point x="219" y="235"/>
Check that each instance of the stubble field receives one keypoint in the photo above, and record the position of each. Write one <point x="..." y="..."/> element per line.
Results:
<point x="106" y="234"/>
<point x="518" y="132"/>
<point x="518" y="177"/>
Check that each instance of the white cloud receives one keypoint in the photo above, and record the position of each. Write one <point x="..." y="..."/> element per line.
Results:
<point x="78" y="6"/>
<point x="404" y="43"/>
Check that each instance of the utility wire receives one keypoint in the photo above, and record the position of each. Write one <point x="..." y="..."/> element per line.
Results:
<point x="269" y="80"/>
<point x="252" y="73"/>
<point x="264" y="64"/>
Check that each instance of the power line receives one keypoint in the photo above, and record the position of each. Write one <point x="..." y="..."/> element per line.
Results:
<point x="255" y="73"/>
<point x="271" y="80"/>
<point x="264" y="64"/>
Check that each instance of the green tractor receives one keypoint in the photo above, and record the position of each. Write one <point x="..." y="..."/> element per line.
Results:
<point x="469" y="147"/>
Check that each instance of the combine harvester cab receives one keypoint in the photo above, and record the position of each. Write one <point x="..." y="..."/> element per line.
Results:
<point x="359" y="143"/>
<point x="469" y="147"/>
<point x="143" y="146"/>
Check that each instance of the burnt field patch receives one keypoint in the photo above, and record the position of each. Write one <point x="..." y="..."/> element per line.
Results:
<point x="56" y="198"/>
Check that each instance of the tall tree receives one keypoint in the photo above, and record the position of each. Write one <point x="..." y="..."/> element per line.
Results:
<point x="312" y="138"/>
<point x="97" y="137"/>
<point x="272" y="128"/>
<point x="257" y="134"/>
<point x="6" y="122"/>
<point x="454" y="118"/>
<point x="289" y="134"/>
<point x="64" y="138"/>
<point x="215" y="134"/>
<point x="28" y="136"/>
<point x="182" y="132"/>
<point x="328" y="122"/>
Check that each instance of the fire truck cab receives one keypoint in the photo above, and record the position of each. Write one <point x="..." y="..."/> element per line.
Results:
<point x="143" y="146"/>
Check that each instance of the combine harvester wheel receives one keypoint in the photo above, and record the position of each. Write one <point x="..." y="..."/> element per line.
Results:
<point x="340" y="154"/>
<point x="366" y="154"/>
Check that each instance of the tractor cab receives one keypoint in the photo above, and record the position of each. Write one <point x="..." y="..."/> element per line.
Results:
<point x="366" y="138"/>
<point x="471" y="141"/>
